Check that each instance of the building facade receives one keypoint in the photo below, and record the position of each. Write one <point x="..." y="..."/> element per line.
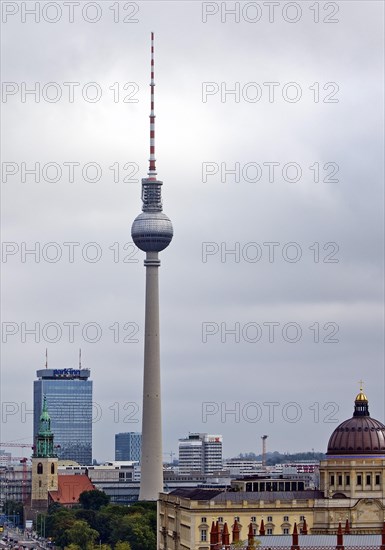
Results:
<point x="128" y="446"/>
<point x="352" y="489"/>
<point x="69" y="400"/>
<point x="15" y="482"/>
<point x="200" y="452"/>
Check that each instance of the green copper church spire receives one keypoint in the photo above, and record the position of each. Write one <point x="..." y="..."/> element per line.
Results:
<point x="44" y="441"/>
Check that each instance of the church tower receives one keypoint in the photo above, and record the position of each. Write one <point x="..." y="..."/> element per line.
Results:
<point x="44" y="463"/>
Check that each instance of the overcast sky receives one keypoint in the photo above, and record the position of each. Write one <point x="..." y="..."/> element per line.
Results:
<point x="308" y="149"/>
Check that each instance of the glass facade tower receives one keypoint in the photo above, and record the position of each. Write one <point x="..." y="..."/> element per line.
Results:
<point x="68" y="394"/>
<point x="128" y="446"/>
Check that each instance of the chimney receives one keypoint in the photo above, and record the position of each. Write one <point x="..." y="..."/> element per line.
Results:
<point x="340" y="538"/>
<point x="294" y="543"/>
<point x="212" y="536"/>
<point x="382" y="547"/>
<point x="226" y="537"/>
<point x="235" y="531"/>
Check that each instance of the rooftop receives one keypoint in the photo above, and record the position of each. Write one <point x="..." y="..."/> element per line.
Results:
<point x="219" y="495"/>
<point x="70" y="488"/>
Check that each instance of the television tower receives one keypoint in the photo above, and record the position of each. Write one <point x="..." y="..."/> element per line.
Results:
<point x="264" y="437"/>
<point x="151" y="232"/>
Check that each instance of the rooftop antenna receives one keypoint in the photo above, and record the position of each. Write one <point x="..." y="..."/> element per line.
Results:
<point x="46" y="358"/>
<point x="80" y="358"/>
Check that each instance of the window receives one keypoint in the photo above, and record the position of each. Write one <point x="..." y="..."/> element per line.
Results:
<point x="253" y="519"/>
<point x="301" y="518"/>
<point x="339" y="479"/>
<point x="52" y="468"/>
<point x="359" y="479"/>
<point x="286" y="531"/>
<point x="378" y="479"/>
<point x="269" y="531"/>
<point x="40" y="468"/>
<point x="220" y="519"/>
<point x="203" y="520"/>
<point x="269" y="518"/>
<point x="237" y="518"/>
<point x="347" y="480"/>
<point x="39" y="482"/>
<point x="332" y="479"/>
<point x="203" y="535"/>
<point x="368" y="479"/>
<point x="285" y="518"/>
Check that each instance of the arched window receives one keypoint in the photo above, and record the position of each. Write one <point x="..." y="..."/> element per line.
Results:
<point x="52" y="468"/>
<point x="40" y="468"/>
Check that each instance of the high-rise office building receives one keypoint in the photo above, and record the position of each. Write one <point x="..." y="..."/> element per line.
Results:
<point x="200" y="452"/>
<point x="128" y="446"/>
<point x="68" y="395"/>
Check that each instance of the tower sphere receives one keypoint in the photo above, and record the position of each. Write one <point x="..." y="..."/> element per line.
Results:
<point x="152" y="231"/>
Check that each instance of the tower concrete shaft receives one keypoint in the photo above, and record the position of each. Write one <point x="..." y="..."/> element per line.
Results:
<point x="151" y="464"/>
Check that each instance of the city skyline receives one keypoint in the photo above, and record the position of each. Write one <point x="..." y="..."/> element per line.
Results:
<point x="206" y="372"/>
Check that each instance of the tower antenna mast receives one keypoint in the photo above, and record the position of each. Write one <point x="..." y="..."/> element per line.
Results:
<point x="152" y="169"/>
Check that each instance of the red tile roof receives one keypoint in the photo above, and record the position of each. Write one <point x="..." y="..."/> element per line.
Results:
<point x="70" y="487"/>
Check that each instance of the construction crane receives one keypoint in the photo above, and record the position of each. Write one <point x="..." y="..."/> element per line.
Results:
<point x="264" y="437"/>
<point x="9" y="444"/>
<point x="171" y="455"/>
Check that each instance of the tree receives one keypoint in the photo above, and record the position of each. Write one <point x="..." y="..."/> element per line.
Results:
<point x="129" y="527"/>
<point x="57" y="525"/>
<point x="54" y="507"/>
<point x="82" y="534"/>
<point x="86" y="515"/>
<point x="136" y="530"/>
<point x="93" y="500"/>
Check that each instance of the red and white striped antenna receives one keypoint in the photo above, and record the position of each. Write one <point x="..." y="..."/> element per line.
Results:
<point x="152" y="170"/>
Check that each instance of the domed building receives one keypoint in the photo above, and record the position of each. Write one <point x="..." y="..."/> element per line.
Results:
<point x="352" y="476"/>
